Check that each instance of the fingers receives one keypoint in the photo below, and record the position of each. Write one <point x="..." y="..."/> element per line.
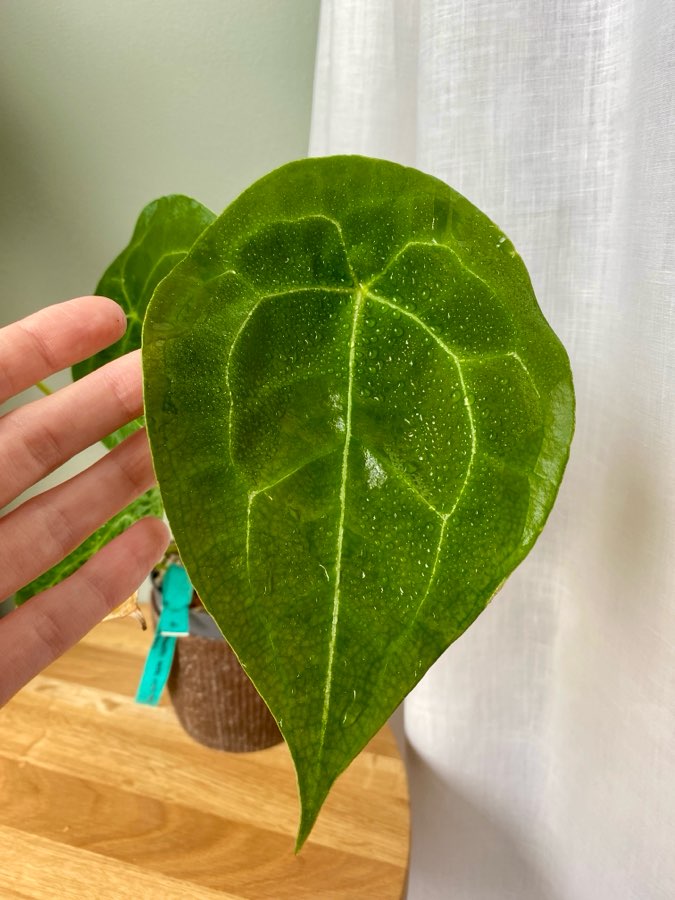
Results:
<point x="37" y="438"/>
<point x="36" y="633"/>
<point x="43" y="530"/>
<point x="54" y="338"/>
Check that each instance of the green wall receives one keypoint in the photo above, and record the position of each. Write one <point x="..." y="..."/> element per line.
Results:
<point x="106" y="104"/>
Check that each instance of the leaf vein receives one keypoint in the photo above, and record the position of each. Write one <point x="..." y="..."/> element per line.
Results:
<point x="414" y="490"/>
<point x="358" y="303"/>
<point x="482" y="357"/>
<point x="304" y="464"/>
<point x="268" y="487"/>
<point x="305" y="290"/>
<point x="432" y="576"/>
<point x="227" y="372"/>
<point x="240" y="331"/>
<point x="460" y="376"/>
<point x="341" y="236"/>
<point x="157" y="265"/>
<point x="430" y="246"/>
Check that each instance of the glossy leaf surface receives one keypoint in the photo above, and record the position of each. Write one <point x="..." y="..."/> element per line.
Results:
<point x="359" y="419"/>
<point x="164" y="232"/>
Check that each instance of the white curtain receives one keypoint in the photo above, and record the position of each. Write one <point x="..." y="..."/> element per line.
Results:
<point x="542" y="745"/>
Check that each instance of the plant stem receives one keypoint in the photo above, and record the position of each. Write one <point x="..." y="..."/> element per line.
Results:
<point x="40" y="385"/>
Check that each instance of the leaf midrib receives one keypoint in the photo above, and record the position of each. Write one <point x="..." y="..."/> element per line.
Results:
<point x="359" y="296"/>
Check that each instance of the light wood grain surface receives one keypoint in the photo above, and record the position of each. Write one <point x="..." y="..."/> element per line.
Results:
<point x="103" y="798"/>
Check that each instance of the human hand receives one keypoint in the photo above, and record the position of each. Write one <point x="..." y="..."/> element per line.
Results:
<point x="37" y="438"/>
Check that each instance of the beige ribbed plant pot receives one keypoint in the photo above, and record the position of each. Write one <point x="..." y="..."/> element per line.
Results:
<point x="213" y="697"/>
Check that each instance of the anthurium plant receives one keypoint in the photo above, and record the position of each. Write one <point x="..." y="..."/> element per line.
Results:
<point x="359" y="420"/>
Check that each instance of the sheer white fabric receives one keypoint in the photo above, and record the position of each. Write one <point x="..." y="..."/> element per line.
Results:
<point x="542" y="744"/>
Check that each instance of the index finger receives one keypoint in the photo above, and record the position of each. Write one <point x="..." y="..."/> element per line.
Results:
<point x="56" y="337"/>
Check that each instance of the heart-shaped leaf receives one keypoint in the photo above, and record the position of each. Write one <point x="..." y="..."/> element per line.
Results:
<point x="164" y="232"/>
<point x="359" y="419"/>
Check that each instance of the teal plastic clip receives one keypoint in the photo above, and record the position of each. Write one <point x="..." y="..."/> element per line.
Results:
<point x="173" y="623"/>
<point x="176" y="599"/>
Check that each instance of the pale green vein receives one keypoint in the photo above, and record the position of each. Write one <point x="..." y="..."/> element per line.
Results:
<point x="460" y="376"/>
<point x="123" y="285"/>
<point x="282" y="478"/>
<point x="432" y="576"/>
<point x="358" y="303"/>
<point x="268" y="487"/>
<point x="228" y="384"/>
<point x="429" y="245"/>
<point x="414" y="490"/>
<point x="261" y="299"/>
<point x="513" y="354"/>
<point x="122" y="277"/>
<point x="434" y="245"/>
<point x="306" y="290"/>
<point x="249" y="234"/>
<point x="297" y="290"/>
<point x="249" y="509"/>
<point x="284" y="292"/>
<point x="126" y="255"/>
<point x="264" y="622"/>
<point x="338" y="228"/>
<point x="520" y="362"/>
<point x="157" y="265"/>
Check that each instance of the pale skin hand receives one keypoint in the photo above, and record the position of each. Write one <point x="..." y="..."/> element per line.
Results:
<point x="34" y="440"/>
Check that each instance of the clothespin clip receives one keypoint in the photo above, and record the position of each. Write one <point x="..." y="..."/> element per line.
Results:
<point x="173" y="623"/>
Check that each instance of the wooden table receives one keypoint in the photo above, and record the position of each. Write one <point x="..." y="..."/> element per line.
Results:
<point x="103" y="798"/>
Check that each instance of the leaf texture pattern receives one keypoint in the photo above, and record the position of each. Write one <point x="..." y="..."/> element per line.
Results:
<point x="359" y="419"/>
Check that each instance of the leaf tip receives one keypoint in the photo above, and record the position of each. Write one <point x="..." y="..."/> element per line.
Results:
<point x="308" y="816"/>
<point x="312" y="792"/>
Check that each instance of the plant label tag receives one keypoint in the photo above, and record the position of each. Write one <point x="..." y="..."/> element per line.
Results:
<point x="176" y="599"/>
<point x="173" y="623"/>
<point x="156" y="669"/>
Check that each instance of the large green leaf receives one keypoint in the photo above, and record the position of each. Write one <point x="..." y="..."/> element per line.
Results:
<point x="164" y="232"/>
<point x="148" y="504"/>
<point x="359" y="419"/>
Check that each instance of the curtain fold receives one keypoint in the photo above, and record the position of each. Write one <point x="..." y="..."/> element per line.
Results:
<point x="542" y="744"/>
